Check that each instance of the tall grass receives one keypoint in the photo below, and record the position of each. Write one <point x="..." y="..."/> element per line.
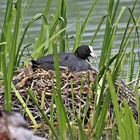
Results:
<point x="10" y="48"/>
<point x="52" y="37"/>
<point x="110" y="33"/>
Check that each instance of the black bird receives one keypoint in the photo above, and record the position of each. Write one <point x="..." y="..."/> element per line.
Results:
<point x="77" y="61"/>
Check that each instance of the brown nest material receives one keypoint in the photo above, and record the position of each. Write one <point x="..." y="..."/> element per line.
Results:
<point x="76" y="85"/>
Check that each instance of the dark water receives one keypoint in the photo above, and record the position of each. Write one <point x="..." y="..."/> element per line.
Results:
<point x="73" y="6"/>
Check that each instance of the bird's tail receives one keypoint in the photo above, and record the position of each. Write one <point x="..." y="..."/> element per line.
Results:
<point x="34" y="64"/>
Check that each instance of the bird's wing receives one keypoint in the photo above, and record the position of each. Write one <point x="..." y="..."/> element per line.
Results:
<point x="45" y="59"/>
<point x="49" y="58"/>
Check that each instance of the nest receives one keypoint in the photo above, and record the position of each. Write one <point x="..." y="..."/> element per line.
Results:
<point x="76" y="88"/>
<point x="76" y="84"/>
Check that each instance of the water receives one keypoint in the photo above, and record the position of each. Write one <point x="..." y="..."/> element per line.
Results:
<point x="37" y="6"/>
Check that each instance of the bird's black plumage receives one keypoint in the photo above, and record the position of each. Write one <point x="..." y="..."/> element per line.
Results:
<point x="74" y="62"/>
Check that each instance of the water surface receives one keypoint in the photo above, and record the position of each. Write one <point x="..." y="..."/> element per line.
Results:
<point x="73" y="7"/>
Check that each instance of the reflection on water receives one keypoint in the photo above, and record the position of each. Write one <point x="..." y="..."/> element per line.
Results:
<point x="37" y="6"/>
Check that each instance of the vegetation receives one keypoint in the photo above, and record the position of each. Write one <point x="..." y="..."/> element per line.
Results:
<point x="53" y="37"/>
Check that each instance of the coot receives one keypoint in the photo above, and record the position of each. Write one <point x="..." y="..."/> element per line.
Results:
<point x="77" y="61"/>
